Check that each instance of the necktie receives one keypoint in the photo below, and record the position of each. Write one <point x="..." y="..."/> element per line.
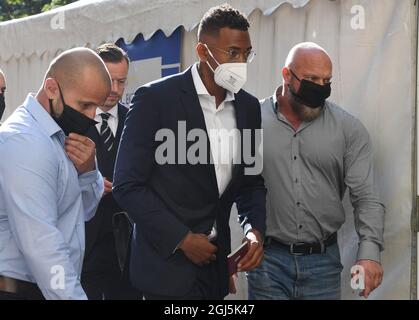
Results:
<point x="106" y="132"/>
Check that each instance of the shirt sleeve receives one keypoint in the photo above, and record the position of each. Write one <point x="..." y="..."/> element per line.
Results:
<point x="92" y="188"/>
<point x="369" y="211"/>
<point x="30" y="169"/>
<point x="251" y="198"/>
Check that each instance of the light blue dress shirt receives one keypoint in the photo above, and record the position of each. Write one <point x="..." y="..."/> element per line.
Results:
<point x="43" y="204"/>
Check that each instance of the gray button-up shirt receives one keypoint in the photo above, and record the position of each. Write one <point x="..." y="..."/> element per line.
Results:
<point x="307" y="172"/>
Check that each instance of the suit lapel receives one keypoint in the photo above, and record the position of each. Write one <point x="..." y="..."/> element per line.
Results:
<point x="121" y="121"/>
<point x="241" y="121"/>
<point x="195" y="117"/>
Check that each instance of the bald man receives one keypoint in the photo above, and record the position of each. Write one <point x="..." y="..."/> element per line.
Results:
<point x="313" y="152"/>
<point x="2" y="93"/>
<point x="49" y="183"/>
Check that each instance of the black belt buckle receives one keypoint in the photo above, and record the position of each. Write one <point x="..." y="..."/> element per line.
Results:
<point x="301" y="249"/>
<point x="295" y="253"/>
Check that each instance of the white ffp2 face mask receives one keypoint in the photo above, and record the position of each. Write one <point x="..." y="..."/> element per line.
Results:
<point x="230" y="76"/>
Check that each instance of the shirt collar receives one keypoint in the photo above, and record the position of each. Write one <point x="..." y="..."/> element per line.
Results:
<point x="275" y="104"/>
<point x="200" y="88"/>
<point x="41" y="115"/>
<point x="113" y="112"/>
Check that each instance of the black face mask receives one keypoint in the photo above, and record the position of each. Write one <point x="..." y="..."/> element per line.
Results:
<point x="71" y="120"/>
<point x="2" y="104"/>
<point x="311" y="94"/>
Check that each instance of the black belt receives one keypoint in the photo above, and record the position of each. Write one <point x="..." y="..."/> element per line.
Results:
<point x="303" y="248"/>
<point x="24" y="289"/>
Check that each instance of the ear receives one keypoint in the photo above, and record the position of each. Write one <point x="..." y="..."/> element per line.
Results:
<point x="286" y="75"/>
<point x="51" y="89"/>
<point x="202" y="52"/>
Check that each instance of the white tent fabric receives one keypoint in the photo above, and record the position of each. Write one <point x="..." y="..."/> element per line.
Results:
<point x="373" y="79"/>
<point x="93" y="21"/>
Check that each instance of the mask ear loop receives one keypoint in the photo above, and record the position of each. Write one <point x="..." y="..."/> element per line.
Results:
<point x="294" y="75"/>
<point x="61" y="94"/>
<point x="209" y="65"/>
<point x="294" y="93"/>
<point x="53" y="114"/>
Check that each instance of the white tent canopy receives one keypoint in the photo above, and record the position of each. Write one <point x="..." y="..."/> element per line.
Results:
<point x="92" y="22"/>
<point x="373" y="80"/>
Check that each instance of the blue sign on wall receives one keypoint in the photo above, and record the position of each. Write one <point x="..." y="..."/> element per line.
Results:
<point x="151" y="60"/>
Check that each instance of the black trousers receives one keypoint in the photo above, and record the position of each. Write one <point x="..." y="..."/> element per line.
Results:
<point x="206" y="287"/>
<point x="102" y="278"/>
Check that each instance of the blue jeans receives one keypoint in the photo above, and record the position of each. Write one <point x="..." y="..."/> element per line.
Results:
<point x="283" y="276"/>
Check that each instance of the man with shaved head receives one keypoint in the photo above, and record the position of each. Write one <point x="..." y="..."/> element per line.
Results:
<point x="49" y="182"/>
<point x="313" y="152"/>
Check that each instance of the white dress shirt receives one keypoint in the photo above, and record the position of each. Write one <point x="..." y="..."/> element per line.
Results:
<point x="220" y="122"/>
<point x="112" y="121"/>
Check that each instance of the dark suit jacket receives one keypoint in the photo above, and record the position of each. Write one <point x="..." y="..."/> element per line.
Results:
<point x="167" y="201"/>
<point x="102" y="221"/>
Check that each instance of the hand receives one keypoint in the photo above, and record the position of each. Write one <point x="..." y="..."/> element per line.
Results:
<point x="81" y="151"/>
<point x="108" y="186"/>
<point x="198" y="249"/>
<point x="254" y="256"/>
<point x="373" y="276"/>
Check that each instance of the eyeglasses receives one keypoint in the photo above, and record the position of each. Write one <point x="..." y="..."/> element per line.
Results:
<point x="235" y="54"/>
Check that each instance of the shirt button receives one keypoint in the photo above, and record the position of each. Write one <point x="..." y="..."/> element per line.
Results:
<point x="296" y="180"/>
<point x="295" y="157"/>
<point x="300" y="227"/>
<point x="295" y="135"/>
<point x="298" y="204"/>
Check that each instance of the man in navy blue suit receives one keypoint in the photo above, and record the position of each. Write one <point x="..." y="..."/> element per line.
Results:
<point x="102" y="277"/>
<point x="180" y="206"/>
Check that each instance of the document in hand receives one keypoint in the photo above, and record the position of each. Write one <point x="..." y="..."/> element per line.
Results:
<point x="235" y="256"/>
